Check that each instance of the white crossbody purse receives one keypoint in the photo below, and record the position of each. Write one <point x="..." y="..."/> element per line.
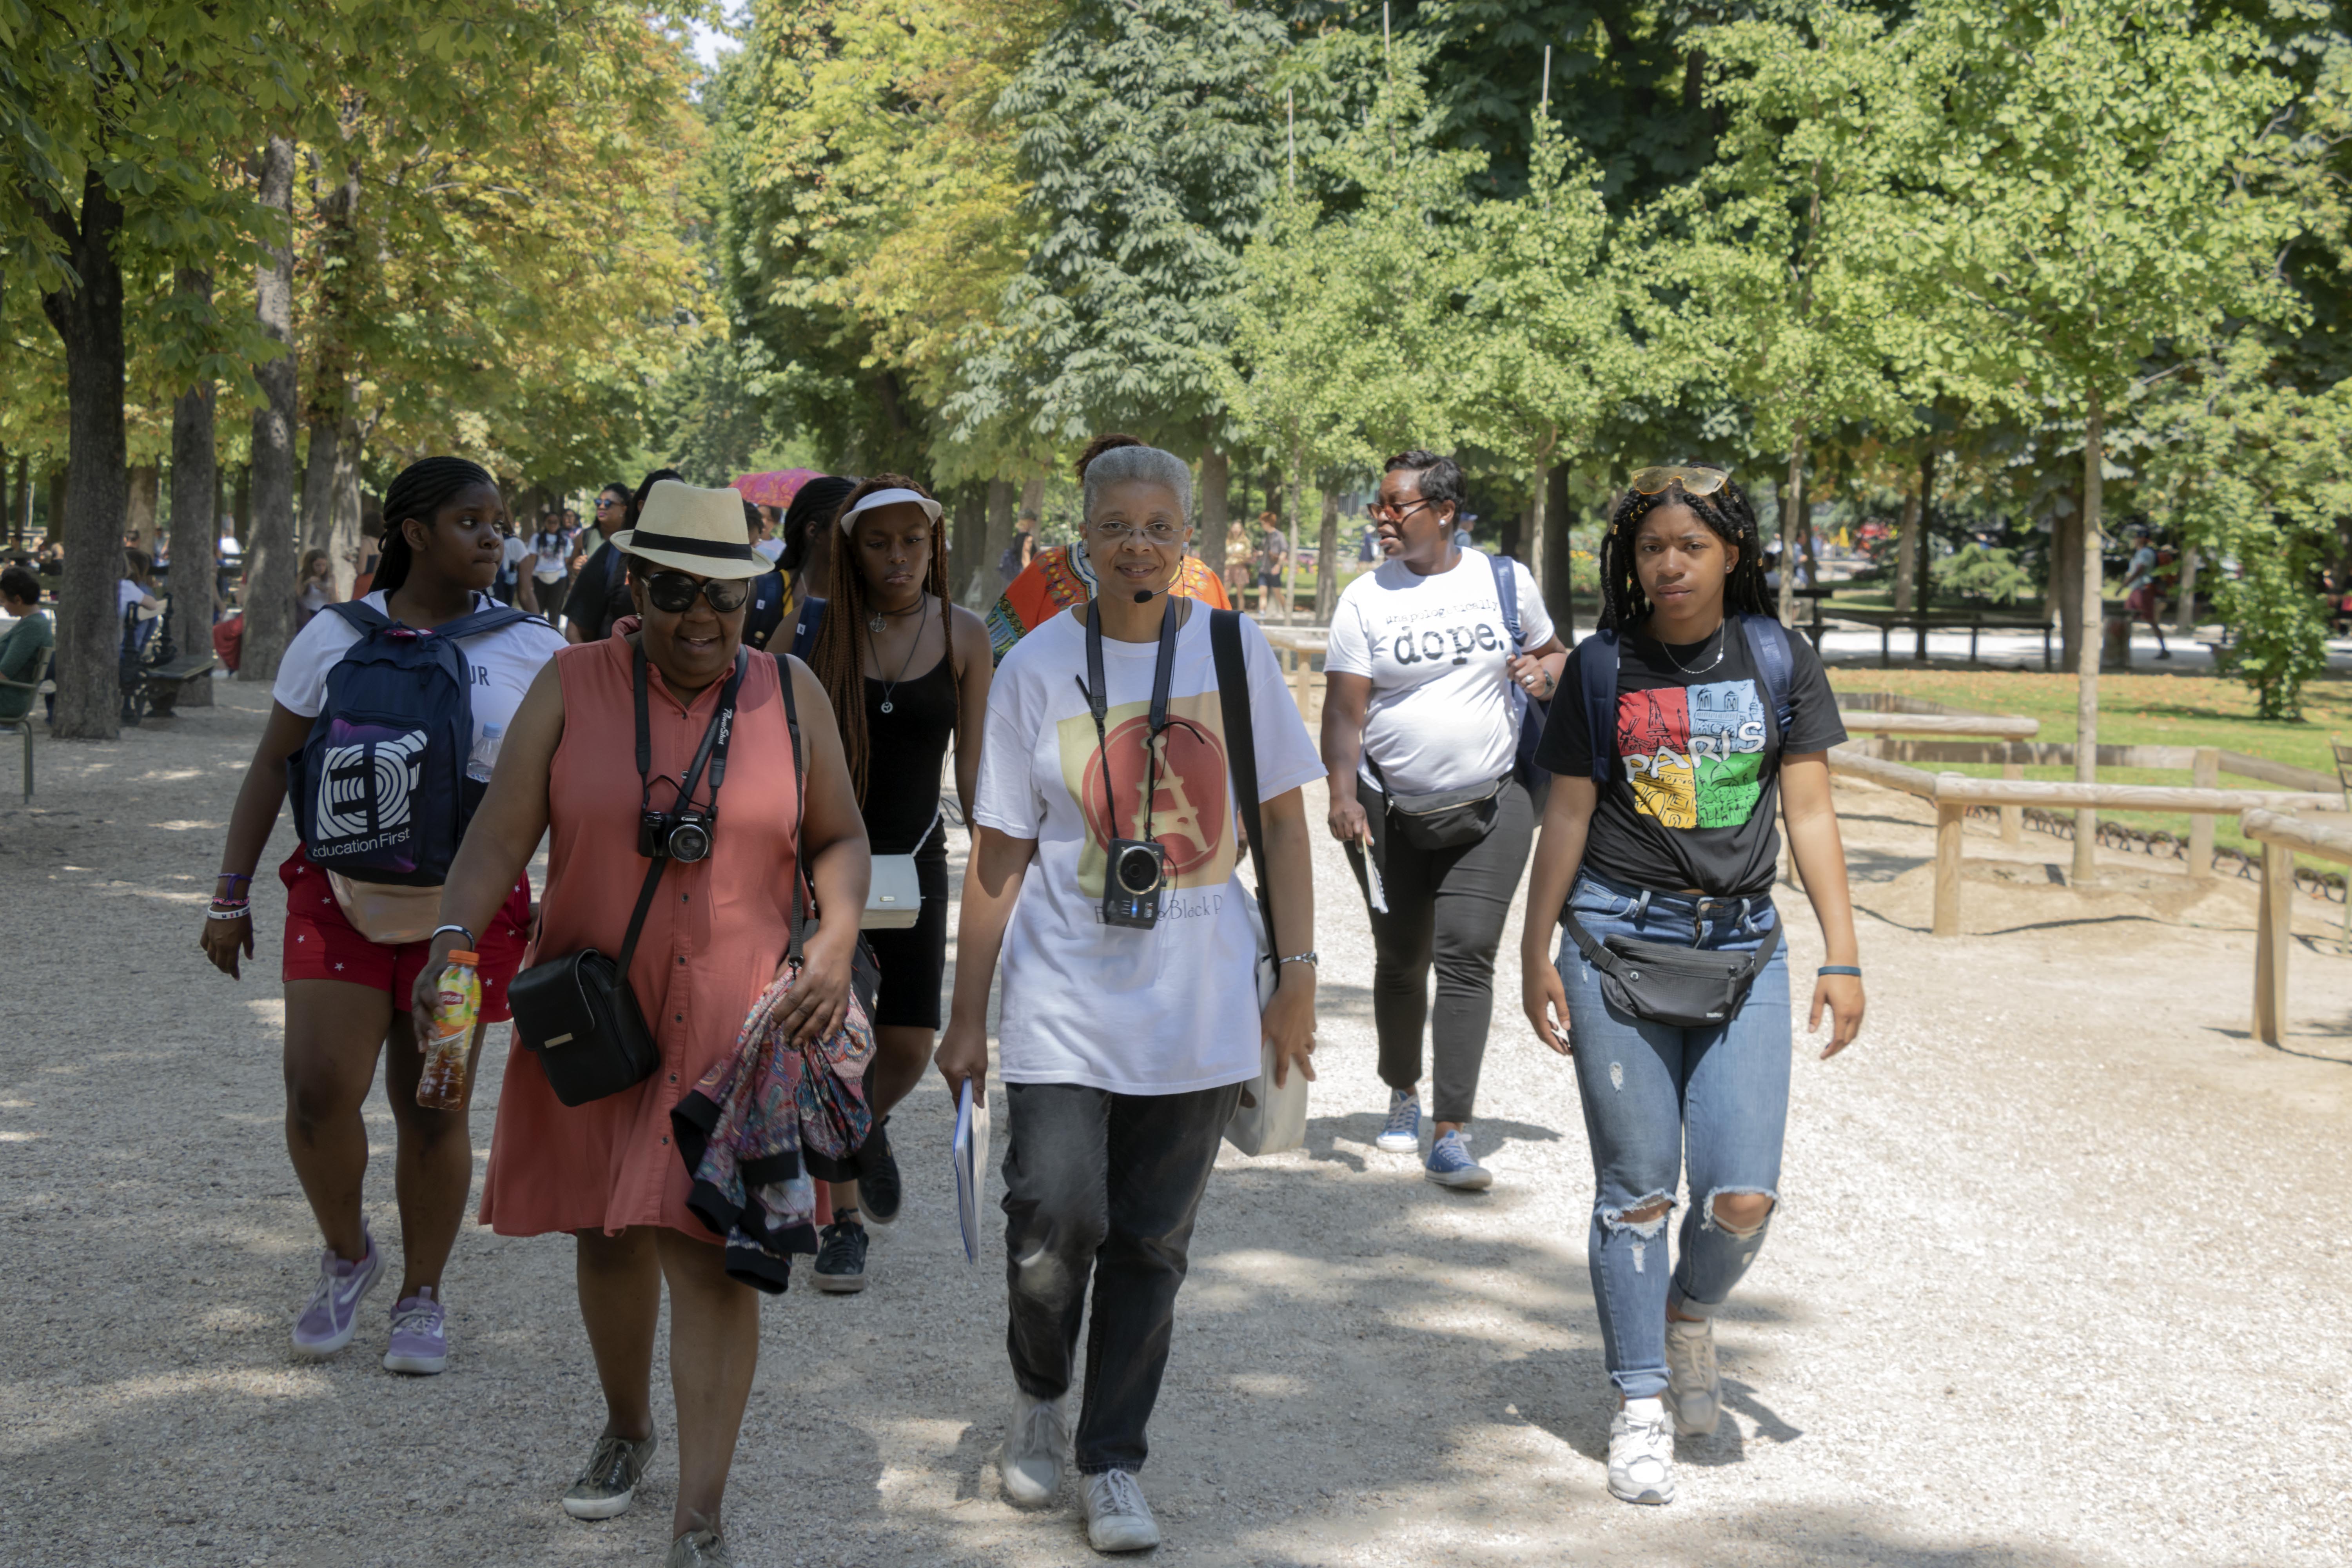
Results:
<point x="894" y="893"/>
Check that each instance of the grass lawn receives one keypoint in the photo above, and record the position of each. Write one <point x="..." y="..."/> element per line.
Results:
<point x="2134" y="710"/>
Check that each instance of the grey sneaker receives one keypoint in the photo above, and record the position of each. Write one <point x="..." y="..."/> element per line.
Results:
<point x="1694" y="1387"/>
<point x="1450" y="1166"/>
<point x="609" y="1484"/>
<point x="1641" y="1453"/>
<point x="698" y="1549"/>
<point x="328" y="1323"/>
<point x="1031" y="1460"/>
<point x="1118" y="1519"/>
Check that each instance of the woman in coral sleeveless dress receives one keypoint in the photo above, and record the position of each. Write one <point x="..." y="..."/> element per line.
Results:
<point x="714" y="938"/>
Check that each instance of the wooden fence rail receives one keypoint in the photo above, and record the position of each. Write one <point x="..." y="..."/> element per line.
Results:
<point x="2282" y="837"/>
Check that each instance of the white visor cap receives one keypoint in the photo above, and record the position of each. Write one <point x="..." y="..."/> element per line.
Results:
<point x="881" y="499"/>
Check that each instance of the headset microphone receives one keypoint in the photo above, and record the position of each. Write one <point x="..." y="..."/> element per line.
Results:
<point x="1145" y="595"/>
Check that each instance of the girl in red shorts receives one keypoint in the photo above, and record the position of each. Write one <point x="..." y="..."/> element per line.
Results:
<point x="346" y="994"/>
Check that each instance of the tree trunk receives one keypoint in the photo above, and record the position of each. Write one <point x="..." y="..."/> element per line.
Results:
<point x="243" y="515"/>
<point x="1287" y="578"/>
<point x="195" y="473"/>
<point x="1511" y="534"/>
<point x="2065" y="586"/>
<point x="1000" y="497"/>
<point x="1216" y="509"/>
<point x="1790" y="512"/>
<point x="2086" y="688"/>
<point x="1906" y="554"/>
<point x="268" y="512"/>
<point x="330" y="413"/>
<point x="2184" y="623"/>
<point x="1538" y="513"/>
<point x="1326" y="560"/>
<point x="144" y="492"/>
<point x="1559" y="573"/>
<point x="343" y="531"/>
<point x="1033" y="499"/>
<point x="87" y="319"/>
<point x="966" y="546"/>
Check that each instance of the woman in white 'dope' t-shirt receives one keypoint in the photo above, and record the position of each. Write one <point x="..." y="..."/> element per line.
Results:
<point x="1419" y="701"/>
<point x="1123" y="1049"/>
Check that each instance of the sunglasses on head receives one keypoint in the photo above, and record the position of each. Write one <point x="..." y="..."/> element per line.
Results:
<point x="1693" y="481"/>
<point x="674" y="593"/>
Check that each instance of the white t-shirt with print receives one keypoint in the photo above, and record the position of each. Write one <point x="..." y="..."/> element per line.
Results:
<point x="1174" y="1008"/>
<point x="504" y="663"/>
<point x="1440" y="715"/>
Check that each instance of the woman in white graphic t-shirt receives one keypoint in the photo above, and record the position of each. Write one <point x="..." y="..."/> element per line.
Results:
<point x="1426" y="692"/>
<point x="1123" y="1043"/>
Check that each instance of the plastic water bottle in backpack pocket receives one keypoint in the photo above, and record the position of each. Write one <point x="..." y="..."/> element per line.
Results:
<point x="380" y="790"/>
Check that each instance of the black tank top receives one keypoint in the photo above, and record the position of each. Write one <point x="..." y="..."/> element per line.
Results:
<point x="904" y="749"/>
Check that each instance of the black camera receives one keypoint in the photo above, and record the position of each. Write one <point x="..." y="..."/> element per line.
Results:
<point x="675" y="834"/>
<point x="1137" y="870"/>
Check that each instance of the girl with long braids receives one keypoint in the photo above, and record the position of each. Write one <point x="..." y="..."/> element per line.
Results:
<point x="347" y="991"/>
<point x="1680" y="728"/>
<point x="906" y="671"/>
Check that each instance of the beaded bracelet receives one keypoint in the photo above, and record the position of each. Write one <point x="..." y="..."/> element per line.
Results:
<point x="229" y="909"/>
<point x="1839" y="969"/>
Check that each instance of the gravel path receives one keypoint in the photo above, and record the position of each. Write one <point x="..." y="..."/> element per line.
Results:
<point x="2016" y="1311"/>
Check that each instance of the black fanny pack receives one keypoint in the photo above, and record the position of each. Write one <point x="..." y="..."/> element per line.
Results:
<point x="1682" y="987"/>
<point x="1446" y="818"/>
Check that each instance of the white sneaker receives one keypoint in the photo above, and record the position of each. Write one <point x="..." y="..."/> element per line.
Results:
<point x="1118" y="1519"/>
<point x="1030" y="1462"/>
<point x="1694" y="1387"/>
<point x="1641" y="1453"/>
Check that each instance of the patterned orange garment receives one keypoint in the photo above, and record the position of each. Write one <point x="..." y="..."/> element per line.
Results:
<point x="1058" y="578"/>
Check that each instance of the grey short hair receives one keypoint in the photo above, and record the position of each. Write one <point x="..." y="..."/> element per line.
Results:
<point x="1150" y="463"/>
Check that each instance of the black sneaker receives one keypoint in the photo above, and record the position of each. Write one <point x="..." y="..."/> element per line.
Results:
<point x="877" y="1175"/>
<point x="841" y="1258"/>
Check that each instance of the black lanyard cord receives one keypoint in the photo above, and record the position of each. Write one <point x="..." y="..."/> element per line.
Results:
<point x="1097" y="703"/>
<point x="715" y="738"/>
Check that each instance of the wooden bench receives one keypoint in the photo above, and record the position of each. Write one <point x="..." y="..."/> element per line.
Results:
<point x="163" y="683"/>
<point x="1974" y="619"/>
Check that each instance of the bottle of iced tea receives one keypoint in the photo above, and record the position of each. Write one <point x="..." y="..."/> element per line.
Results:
<point x="449" y="1034"/>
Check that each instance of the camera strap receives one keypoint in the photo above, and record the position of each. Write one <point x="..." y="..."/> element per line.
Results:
<point x="713" y="750"/>
<point x="1098" y="704"/>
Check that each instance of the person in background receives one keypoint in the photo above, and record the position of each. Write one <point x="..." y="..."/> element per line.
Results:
<point x="1660" y="828"/>
<point x="1123" y="1049"/>
<point x="906" y="671"/>
<point x="807" y="559"/>
<point x="25" y="647"/>
<point x="612" y="506"/>
<point x="768" y="541"/>
<point x="1240" y="567"/>
<point x="316" y="588"/>
<point x="1019" y="552"/>
<point x="601" y="597"/>
<point x="1062" y="575"/>
<point x="512" y="553"/>
<point x="609" y="1172"/>
<point x="549" y="548"/>
<point x="347" y="997"/>
<point x="1419" y="702"/>
<point x="1273" y="555"/>
<point x="2140" y="596"/>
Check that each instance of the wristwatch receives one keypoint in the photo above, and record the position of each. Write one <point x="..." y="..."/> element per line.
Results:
<point x="1306" y="958"/>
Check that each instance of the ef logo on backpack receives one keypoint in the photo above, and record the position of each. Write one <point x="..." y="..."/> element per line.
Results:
<point x="379" y="791"/>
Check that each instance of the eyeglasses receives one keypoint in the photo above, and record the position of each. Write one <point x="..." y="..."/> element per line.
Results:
<point x="1382" y="511"/>
<point x="1693" y="481"/>
<point x="1159" y="534"/>
<point x="674" y="593"/>
<point x="608" y="505"/>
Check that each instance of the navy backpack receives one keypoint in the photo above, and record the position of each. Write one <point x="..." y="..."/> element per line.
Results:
<point x="1768" y="644"/>
<point x="380" y="790"/>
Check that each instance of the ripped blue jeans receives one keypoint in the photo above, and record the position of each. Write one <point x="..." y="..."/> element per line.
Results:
<point x="1642" y="1085"/>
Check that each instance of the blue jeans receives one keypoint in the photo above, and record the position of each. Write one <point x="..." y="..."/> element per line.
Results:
<point x="1643" y="1084"/>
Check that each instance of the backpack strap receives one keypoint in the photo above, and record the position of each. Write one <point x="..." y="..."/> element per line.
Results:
<point x="364" y="616"/>
<point x="1507" y="589"/>
<point x="1241" y="740"/>
<point x="1596" y="669"/>
<point x="1767" y="644"/>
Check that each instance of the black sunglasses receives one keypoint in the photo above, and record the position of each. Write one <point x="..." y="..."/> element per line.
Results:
<point x="674" y="593"/>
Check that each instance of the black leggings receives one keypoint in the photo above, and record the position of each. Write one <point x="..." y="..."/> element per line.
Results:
<point x="1447" y="907"/>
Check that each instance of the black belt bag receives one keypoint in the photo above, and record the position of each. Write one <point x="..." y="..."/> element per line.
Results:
<point x="578" y="1016"/>
<point x="1682" y="987"/>
<point x="1448" y="818"/>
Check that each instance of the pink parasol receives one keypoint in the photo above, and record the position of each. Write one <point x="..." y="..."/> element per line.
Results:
<point x="775" y="488"/>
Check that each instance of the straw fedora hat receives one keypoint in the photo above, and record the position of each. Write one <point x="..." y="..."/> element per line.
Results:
<point x="689" y="529"/>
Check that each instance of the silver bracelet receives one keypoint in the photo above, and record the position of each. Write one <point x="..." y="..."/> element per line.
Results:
<point x="461" y="931"/>
<point x="1306" y="958"/>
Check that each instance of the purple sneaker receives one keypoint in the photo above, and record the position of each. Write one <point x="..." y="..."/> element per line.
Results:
<point x="420" y="1335"/>
<point x="328" y="1323"/>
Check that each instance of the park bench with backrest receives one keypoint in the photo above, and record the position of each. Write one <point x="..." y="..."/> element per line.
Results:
<point x="153" y="671"/>
<point x="1974" y="620"/>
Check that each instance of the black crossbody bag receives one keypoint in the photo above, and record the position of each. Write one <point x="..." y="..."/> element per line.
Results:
<point x="1682" y="987"/>
<point x="577" y="1013"/>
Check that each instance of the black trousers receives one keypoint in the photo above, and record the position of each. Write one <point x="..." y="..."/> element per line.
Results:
<point x="1102" y="1185"/>
<point x="1447" y="910"/>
